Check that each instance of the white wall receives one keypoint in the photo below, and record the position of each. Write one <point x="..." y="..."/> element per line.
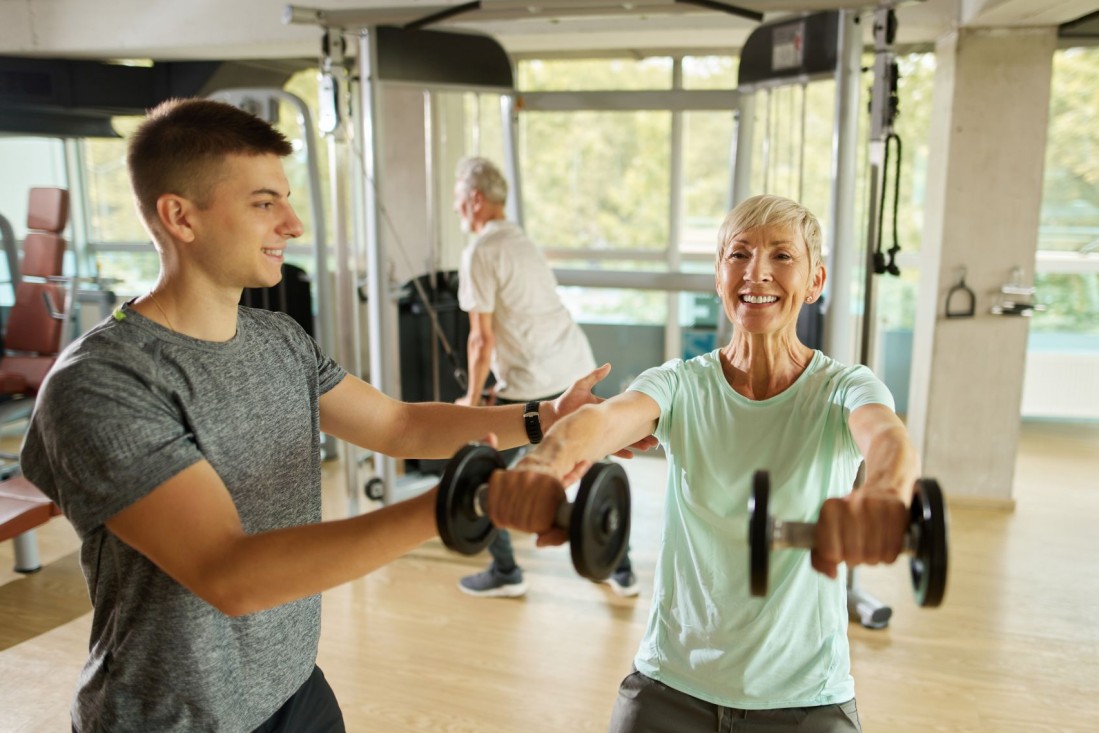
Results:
<point x="1061" y="385"/>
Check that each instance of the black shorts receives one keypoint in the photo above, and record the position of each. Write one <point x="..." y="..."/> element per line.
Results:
<point x="312" y="709"/>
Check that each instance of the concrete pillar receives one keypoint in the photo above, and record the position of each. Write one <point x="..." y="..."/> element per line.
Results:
<point x="988" y="139"/>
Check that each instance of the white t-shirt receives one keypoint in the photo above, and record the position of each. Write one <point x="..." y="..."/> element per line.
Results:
<point x="540" y="350"/>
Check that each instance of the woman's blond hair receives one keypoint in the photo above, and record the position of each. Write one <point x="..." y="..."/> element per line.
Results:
<point x="767" y="210"/>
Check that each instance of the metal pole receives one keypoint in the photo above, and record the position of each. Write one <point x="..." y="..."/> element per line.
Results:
<point x="379" y="304"/>
<point x="432" y="227"/>
<point x="509" y="118"/>
<point x="842" y="260"/>
<point x="861" y="606"/>
<point x="742" y="148"/>
<point x="673" y="337"/>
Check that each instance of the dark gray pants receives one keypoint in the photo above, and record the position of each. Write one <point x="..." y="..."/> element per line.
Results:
<point x="647" y="706"/>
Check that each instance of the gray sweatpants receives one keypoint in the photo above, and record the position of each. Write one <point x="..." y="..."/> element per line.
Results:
<point x="647" y="706"/>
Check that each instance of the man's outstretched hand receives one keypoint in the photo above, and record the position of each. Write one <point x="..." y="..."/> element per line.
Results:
<point x="580" y="394"/>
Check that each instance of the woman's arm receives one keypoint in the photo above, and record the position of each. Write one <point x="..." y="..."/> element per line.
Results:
<point x="868" y="525"/>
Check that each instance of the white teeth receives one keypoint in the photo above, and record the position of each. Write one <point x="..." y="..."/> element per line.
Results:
<point x="758" y="299"/>
<point x="273" y="252"/>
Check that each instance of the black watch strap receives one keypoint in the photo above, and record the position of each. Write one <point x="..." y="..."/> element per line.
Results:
<point x="531" y="421"/>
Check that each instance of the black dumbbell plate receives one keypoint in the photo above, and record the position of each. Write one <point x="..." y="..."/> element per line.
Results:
<point x="459" y="526"/>
<point x="759" y="532"/>
<point x="599" y="530"/>
<point x="929" y="564"/>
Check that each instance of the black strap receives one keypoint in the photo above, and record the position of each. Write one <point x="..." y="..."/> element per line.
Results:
<point x="531" y="421"/>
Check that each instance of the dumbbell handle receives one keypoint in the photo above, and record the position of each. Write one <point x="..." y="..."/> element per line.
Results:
<point x="561" y="519"/>
<point x="801" y="535"/>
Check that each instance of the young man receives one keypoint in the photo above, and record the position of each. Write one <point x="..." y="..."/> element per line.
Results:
<point x="520" y="331"/>
<point x="182" y="439"/>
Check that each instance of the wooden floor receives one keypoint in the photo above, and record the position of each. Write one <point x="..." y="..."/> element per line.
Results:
<point x="1014" y="648"/>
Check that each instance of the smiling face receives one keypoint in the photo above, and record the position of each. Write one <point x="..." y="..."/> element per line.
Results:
<point x="764" y="276"/>
<point x="240" y="234"/>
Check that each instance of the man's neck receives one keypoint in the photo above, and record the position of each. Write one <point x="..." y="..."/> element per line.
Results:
<point x="479" y="226"/>
<point x="198" y="310"/>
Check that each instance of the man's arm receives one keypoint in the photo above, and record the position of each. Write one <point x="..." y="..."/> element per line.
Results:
<point x="189" y="527"/>
<point x="868" y="525"/>
<point x="479" y="348"/>
<point x="357" y="412"/>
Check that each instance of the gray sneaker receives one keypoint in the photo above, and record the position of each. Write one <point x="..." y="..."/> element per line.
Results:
<point x="491" y="583"/>
<point x="624" y="583"/>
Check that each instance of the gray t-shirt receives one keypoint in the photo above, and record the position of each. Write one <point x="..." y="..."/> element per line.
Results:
<point x="130" y="405"/>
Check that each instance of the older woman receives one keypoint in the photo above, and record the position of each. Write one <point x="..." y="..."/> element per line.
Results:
<point x="711" y="651"/>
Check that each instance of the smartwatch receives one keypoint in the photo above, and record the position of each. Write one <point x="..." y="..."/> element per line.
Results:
<point x="531" y="421"/>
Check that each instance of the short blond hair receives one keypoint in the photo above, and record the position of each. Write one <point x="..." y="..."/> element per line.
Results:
<point x="767" y="210"/>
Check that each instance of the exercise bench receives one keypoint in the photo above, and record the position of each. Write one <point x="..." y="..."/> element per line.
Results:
<point x="22" y="508"/>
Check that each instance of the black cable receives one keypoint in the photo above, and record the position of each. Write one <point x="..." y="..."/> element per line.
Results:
<point x="892" y="268"/>
<point x="881" y="264"/>
<point x="459" y="372"/>
<point x="879" y="255"/>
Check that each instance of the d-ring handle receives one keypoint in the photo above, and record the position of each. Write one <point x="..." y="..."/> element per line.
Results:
<point x="967" y="294"/>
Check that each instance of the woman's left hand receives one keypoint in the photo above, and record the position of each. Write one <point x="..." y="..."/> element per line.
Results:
<point x="863" y="528"/>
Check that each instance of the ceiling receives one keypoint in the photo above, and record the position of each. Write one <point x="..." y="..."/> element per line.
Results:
<point x="221" y="29"/>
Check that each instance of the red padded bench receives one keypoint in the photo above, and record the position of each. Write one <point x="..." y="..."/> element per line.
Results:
<point x="22" y="508"/>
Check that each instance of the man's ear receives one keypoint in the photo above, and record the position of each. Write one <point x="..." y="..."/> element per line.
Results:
<point x="476" y="200"/>
<point x="174" y="213"/>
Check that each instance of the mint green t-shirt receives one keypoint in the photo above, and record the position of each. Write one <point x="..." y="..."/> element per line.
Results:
<point x="707" y="635"/>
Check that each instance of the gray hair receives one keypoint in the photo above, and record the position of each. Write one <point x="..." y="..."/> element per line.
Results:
<point x="479" y="174"/>
<point x="768" y="210"/>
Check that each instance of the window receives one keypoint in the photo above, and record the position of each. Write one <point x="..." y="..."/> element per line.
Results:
<point x="1068" y="239"/>
<point x="576" y="75"/>
<point x="27" y="163"/>
<point x="596" y="180"/>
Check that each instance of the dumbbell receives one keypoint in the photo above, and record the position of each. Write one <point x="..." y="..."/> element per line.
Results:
<point x="598" y="522"/>
<point x="925" y="539"/>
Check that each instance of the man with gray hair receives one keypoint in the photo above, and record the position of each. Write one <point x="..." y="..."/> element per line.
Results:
<point x="520" y="331"/>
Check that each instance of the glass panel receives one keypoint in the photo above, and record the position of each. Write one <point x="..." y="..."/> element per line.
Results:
<point x="1072" y="303"/>
<point x="27" y="162"/>
<point x="913" y="126"/>
<point x="710" y="72"/>
<point x="135" y="272"/>
<point x="484" y="127"/>
<point x="111" y="214"/>
<point x="596" y="179"/>
<point x="614" y="305"/>
<point x="575" y="75"/>
<point x="1070" y="200"/>
<point x="707" y="177"/>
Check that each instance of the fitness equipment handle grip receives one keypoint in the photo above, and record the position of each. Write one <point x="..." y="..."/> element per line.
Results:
<point x="801" y="535"/>
<point x="560" y="520"/>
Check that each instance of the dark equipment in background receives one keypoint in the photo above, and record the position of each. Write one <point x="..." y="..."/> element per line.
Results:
<point x="432" y="332"/>
<point x="291" y="296"/>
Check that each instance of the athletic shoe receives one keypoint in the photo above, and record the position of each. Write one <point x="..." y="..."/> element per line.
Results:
<point x="624" y="583"/>
<point x="491" y="583"/>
